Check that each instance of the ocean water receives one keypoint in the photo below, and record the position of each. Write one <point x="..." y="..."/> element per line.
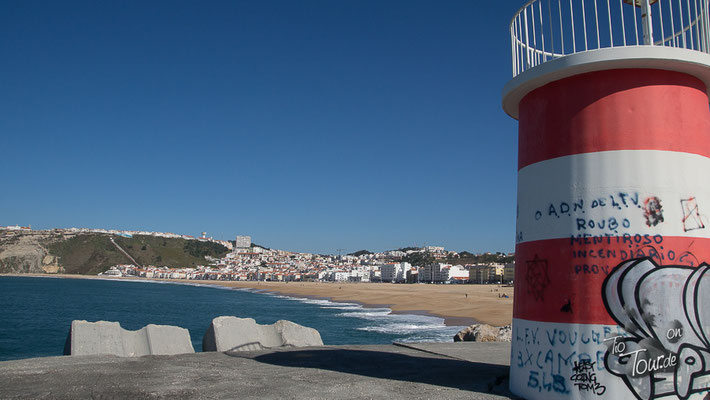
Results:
<point x="36" y="313"/>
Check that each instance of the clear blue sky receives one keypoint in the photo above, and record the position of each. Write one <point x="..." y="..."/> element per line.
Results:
<point x="309" y="125"/>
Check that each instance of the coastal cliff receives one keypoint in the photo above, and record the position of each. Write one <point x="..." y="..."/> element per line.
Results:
<point x="57" y="251"/>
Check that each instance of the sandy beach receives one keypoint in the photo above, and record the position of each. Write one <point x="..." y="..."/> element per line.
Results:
<point x="457" y="304"/>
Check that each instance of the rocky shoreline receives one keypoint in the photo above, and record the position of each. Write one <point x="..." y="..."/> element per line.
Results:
<point x="485" y="333"/>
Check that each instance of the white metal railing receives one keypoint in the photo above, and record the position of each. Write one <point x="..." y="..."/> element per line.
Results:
<point x="543" y="30"/>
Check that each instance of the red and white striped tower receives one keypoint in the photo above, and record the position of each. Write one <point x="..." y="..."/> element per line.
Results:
<point x="614" y="165"/>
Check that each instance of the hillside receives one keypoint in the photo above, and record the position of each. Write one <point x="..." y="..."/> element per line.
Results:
<point x="91" y="253"/>
<point x="469" y="258"/>
<point x="360" y="253"/>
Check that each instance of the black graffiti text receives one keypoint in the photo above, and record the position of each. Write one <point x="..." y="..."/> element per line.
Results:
<point x="585" y="379"/>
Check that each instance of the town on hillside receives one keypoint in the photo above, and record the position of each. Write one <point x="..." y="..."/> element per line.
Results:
<point x="247" y="261"/>
<point x="250" y="262"/>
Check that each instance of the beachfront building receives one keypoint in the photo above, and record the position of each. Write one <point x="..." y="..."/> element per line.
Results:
<point x="375" y="274"/>
<point x="341" y="276"/>
<point x="413" y="275"/>
<point x="509" y="272"/>
<point x="499" y="269"/>
<point x="486" y="273"/>
<point x="434" y="273"/>
<point x="395" y="272"/>
<point x="458" y="274"/>
<point x="361" y="274"/>
<point x="478" y="273"/>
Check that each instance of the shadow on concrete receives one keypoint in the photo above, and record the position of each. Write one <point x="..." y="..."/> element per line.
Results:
<point x="440" y="371"/>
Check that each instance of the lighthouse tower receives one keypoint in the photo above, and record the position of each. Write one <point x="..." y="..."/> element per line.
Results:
<point x="612" y="293"/>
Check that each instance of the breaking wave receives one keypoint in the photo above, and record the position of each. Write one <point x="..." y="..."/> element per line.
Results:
<point x="380" y="320"/>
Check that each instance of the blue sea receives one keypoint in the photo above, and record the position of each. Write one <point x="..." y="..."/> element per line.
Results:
<point x="36" y="313"/>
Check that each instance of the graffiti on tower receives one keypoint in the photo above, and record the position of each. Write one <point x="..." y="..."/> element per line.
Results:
<point x="537" y="277"/>
<point x="691" y="215"/>
<point x="665" y="313"/>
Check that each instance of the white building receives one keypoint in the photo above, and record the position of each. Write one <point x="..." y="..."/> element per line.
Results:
<point x="341" y="276"/>
<point x="395" y="272"/>
<point x="243" y="242"/>
<point x="458" y="274"/>
<point x="435" y="272"/>
<point x="360" y="275"/>
<point x="388" y="272"/>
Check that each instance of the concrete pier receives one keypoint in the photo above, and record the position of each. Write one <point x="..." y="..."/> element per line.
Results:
<point x="464" y="370"/>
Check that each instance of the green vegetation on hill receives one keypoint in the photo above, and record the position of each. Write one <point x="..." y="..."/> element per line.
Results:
<point x="201" y="249"/>
<point x="408" y="248"/>
<point x="468" y="258"/>
<point x="234" y="244"/>
<point x="419" y="259"/>
<point x="360" y="253"/>
<point x="424" y="258"/>
<point x="86" y="254"/>
<point x="94" y="253"/>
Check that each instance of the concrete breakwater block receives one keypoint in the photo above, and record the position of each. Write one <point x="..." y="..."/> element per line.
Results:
<point x="104" y="337"/>
<point x="244" y="334"/>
